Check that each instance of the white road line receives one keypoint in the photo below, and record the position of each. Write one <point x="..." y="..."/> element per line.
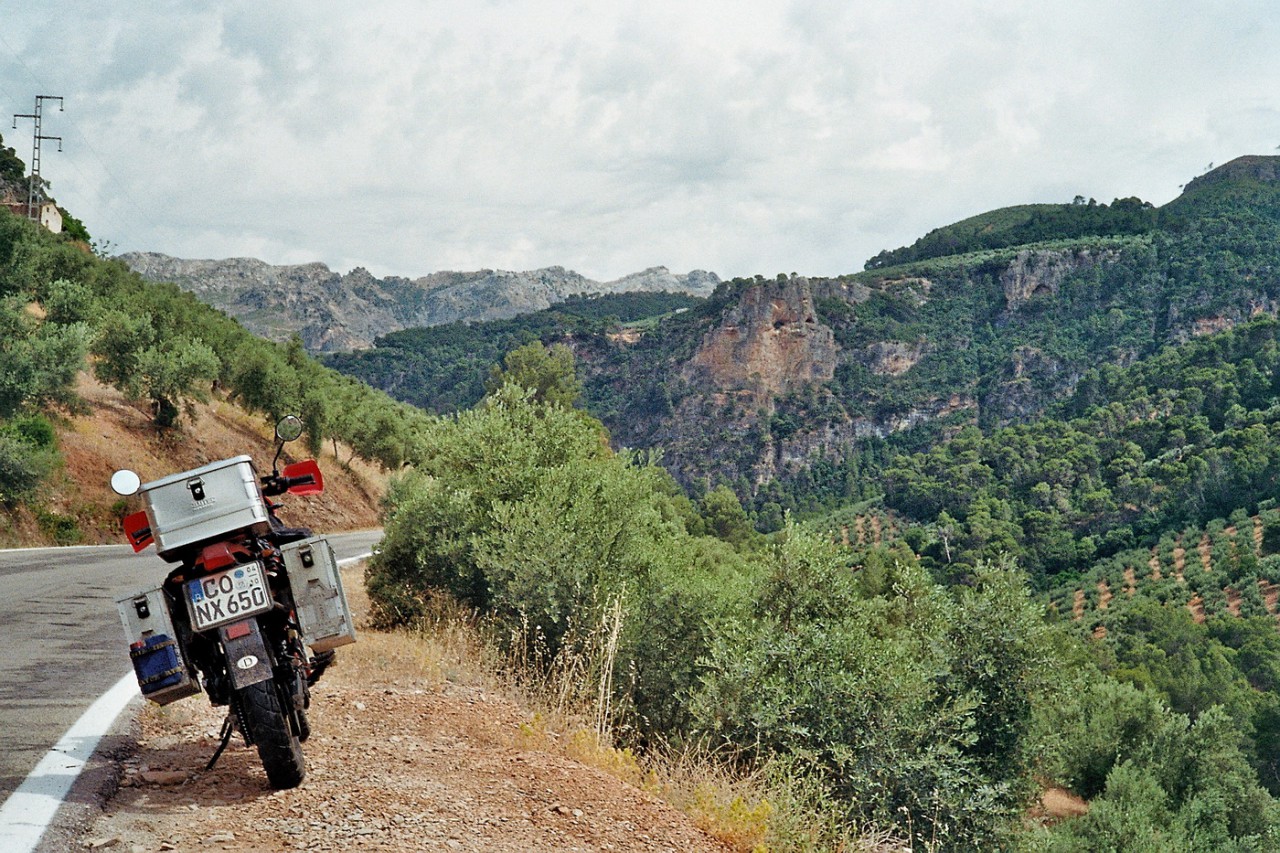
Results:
<point x="26" y="814"/>
<point x="355" y="559"/>
<point x="116" y="546"/>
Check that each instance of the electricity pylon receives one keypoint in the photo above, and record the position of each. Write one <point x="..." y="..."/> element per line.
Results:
<point x="35" y="148"/>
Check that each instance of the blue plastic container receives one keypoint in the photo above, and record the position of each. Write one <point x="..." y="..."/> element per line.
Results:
<point x="157" y="664"/>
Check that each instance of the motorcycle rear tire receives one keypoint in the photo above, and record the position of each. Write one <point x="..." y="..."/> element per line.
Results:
<point x="268" y="722"/>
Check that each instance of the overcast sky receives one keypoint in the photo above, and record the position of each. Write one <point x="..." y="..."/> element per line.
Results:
<point x="739" y="137"/>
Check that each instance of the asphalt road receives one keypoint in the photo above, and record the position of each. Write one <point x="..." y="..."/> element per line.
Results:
<point x="61" y="642"/>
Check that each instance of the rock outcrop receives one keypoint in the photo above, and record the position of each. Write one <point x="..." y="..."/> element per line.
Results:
<point x="768" y="345"/>
<point x="332" y="312"/>
<point x="1036" y="273"/>
<point x="894" y="358"/>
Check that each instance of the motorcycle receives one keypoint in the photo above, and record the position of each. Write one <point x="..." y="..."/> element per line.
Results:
<point x="253" y="610"/>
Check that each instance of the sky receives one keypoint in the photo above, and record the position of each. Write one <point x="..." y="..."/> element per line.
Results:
<point x="746" y="137"/>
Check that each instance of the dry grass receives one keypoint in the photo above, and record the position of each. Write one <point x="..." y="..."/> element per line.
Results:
<point x="446" y="647"/>
<point x="568" y="700"/>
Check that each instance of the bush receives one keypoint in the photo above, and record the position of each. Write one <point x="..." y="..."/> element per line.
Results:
<point x="902" y="702"/>
<point x="520" y="510"/>
<point x="1188" y="788"/>
<point x="23" y="467"/>
<point x="1090" y="729"/>
<point x="62" y="529"/>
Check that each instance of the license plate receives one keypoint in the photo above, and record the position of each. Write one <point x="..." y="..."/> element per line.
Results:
<point x="227" y="596"/>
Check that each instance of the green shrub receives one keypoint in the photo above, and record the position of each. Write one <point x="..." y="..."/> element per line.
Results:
<point x="62" y="529"/>
<point x="23" y="467"/>
<point x="907" y="703"/>
<point x="520" y="510"/>
<point x="1189" y="789"/>
<point x="1086" y="732"/>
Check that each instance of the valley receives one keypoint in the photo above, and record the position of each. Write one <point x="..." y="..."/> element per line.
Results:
<point x="994" y="515"/>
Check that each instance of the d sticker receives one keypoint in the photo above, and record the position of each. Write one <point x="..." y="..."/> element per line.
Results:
<point x="247" y="662"/>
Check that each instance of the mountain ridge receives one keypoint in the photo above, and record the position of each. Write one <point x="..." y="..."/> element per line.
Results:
<point x="990" y="336"/>
<point x="335" y="312"/>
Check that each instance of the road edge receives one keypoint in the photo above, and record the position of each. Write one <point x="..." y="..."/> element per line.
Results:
<point x="28" y="812"/>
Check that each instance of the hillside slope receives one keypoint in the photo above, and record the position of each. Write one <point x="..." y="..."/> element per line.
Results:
<point x="744" y="390"/>
<point x="81" y="508"/>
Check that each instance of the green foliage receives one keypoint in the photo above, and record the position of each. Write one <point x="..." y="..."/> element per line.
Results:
<point x="167" y="371"/>
<point x="902" y="698"/>
<point x="724" y="518"/>
<point x="23" y="467"/>
<point x="73" y="227"/>
<point x="1089" y="729"/>
<point x="1090" y="479"/>
<point x="28" y="453"/>
<point x="1031" y="223"/>
<point x="316" y="413"/>
<point x="519" y="508"/>
<point x="68" y="302"/>
<point x="12" y="169"/>
<point x="914" y="705"/>
<point x="61" y="529"/>
<point x="59" y="303"/>
<point x="174" y="372"/>
<point x="38" y="360"/>
<point x="546" y="371"/>
<point x="443" y="368"/>
<point x="1188" y="788"/>
<point x="265" y="381"/>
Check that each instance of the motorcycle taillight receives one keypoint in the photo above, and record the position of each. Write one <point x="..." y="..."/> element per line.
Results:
<point x="216" y="556"/>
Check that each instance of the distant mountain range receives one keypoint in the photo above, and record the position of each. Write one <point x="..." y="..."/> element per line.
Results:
<point x="333" y="312"/>
<point x="804" y="388"/>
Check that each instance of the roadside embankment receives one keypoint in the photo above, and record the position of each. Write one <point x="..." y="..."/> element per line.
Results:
<point x="412" y="749"/>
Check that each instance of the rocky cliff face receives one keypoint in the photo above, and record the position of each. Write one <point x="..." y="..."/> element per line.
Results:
<point x="769" y="344"/>
<point x="756" y="399"/>
<point x="332" y="312"/>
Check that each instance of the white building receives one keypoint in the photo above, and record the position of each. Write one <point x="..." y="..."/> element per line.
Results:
<point x="50" y="217"/>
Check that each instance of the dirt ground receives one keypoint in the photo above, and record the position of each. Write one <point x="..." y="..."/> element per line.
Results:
<point x="407" y="753"/>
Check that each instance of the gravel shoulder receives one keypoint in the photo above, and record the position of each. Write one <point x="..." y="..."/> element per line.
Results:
<point x="406" y="754"/>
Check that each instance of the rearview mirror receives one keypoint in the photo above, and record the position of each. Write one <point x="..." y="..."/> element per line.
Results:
<point x="288" y="428"/>
<point x="125" y="482"/>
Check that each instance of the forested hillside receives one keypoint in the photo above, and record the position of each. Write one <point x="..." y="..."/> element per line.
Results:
<point x="1076" y="446"/>
<point x="875" y="688"/>
<point x="443" y="368"/>
<point x="744" y="389"/>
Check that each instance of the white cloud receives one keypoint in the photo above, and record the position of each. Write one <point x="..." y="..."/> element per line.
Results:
<point x="747" y="137"/>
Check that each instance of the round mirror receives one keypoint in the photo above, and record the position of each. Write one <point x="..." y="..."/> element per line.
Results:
<point x="125" y="482"/>
<point x="289" y="428"/>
